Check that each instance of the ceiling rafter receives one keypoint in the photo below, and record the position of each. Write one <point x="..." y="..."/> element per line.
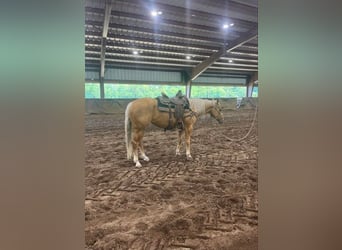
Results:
<point x="244" y="39"/>
<point x="152" y="32"/>
<point x="233" y="10"/>
<point x="144" y="49"/>
<point x="123" y="34"/>
<point x="251" y="3"/>
<point x="155" y="42"/>
<point x="215" y="56"/>
<point x="165" y="21"/>
<point x="156" y="62"/>
<point x="180" y="58"/>
<point x="94" y="64"/>
<point x="239" y="23"/>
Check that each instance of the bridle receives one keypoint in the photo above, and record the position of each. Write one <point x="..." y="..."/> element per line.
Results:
<point x="218" y="109"/>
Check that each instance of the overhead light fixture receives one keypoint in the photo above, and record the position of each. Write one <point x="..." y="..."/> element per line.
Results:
<point x="230" y="60"/>
<point x="188" y="57"/>
<point x="226" y="25"/>
<point x="135" y="52"/>
<point x="155" y="13"/>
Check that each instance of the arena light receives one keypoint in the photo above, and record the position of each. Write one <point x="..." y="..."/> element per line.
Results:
<point x="226" y="25"/>
<point x="155" y="13"/>
<point x="135" y="52"/>
<point x="188" y="57"/>
<point x="230" y="60"/>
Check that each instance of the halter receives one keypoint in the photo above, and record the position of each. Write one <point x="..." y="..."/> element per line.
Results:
<point x="217" y="109"/>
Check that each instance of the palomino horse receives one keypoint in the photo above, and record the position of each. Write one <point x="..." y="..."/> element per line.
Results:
<point x="141" y="112"/>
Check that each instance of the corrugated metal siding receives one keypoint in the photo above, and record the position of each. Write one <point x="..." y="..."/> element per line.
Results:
<point x="92" y="75"/>
<point x="219" y="80"/>
<point x="142" y="75"/>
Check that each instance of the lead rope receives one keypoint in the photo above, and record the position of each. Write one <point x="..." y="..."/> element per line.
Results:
<point x="249" y="131"/>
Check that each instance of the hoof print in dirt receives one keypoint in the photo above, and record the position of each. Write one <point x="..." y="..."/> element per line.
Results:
<point x="206" y="202"/>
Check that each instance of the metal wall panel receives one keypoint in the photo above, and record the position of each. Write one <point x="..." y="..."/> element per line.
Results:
<point x="89" y="75"/>
<point x="150" y="76"/>
<point x="220" y="80"/>
<point x="142" y="75"/>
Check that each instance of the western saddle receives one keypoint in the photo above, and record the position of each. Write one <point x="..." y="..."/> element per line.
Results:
<point x="177" y="106"/>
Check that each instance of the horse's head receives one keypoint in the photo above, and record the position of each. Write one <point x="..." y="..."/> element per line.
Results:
<point x="216" y="113"/>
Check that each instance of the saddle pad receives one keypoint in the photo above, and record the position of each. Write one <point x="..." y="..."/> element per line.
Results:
<point x="163" y="105"/>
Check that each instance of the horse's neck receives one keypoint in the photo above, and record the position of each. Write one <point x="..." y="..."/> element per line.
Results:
<point x="200" y="106"/>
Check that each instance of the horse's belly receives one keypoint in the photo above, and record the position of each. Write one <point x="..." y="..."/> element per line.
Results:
<point x="161" y="119"/>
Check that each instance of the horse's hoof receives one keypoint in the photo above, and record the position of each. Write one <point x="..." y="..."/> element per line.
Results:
<point x="189" y="157"/>
<point x="138" y="164"/>
<point x="178" y="153"/>
<point x="146" y="158"/>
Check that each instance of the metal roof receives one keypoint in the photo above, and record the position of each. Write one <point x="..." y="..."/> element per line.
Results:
<point x="115" y="29"/>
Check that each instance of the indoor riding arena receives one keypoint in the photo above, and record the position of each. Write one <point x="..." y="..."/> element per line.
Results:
<point x="207" y="50"/>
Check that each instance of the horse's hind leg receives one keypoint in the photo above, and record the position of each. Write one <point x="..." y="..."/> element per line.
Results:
<point x="179" y="143"/>
<point x="142" y="151"/>
<point x="136" y="142"/>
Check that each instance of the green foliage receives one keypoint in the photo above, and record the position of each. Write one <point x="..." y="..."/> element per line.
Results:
<point x="139" y="90"/>
<point x="92" y="90"/>
<point x="114" y="91"/>
<point x="218" y="91"/>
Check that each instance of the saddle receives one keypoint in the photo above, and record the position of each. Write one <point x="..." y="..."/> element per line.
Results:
<point x="176" y="106"/>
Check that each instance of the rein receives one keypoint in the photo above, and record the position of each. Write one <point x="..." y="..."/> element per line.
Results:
<point x="249" y="131"/>
<point x="191" y="114"/>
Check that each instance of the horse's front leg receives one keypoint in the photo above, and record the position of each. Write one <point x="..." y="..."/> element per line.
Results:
<point x="179" y="143"/>
<point x="188" y="133"/>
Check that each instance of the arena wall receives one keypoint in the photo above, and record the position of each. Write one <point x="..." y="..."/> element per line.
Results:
<point x="117" y="106"/>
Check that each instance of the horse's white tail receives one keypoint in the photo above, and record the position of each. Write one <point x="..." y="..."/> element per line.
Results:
<point x="128" y="134"/>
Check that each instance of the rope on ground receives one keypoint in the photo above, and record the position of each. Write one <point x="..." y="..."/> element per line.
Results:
<point x="249" y="131"/>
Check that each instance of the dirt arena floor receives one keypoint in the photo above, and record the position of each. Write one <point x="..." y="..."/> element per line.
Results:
<point x="171" y="203"/>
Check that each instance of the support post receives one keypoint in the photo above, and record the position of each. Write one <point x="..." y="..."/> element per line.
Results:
<point x="106" y="21"/>
<point x="188" y="89"/>
<point x="102" y="94"/>
<point x="250" y="84"/>
<point x="249" y="91"/>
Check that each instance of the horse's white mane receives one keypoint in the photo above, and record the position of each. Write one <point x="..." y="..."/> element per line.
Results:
<point x="200" y="105"/>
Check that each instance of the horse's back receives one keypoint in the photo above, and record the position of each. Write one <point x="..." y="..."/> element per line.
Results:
<point x="140" y="111"/>
<point x="142" y="104"/>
